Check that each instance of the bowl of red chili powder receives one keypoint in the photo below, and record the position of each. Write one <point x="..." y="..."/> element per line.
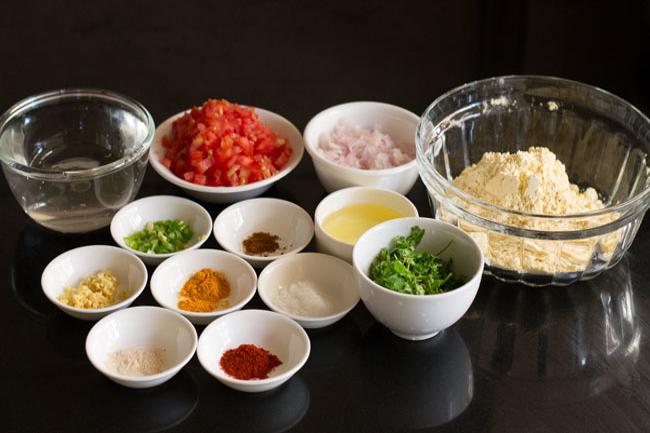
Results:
<point x="253" y="350"/>
<point x="223" y="152"/>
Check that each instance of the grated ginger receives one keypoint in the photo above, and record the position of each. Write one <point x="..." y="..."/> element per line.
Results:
<point x="96" y="291"/>
<point x="535" y="182"/>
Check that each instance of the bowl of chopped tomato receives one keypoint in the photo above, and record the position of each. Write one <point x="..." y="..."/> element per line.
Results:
<point x="224" y="152"/>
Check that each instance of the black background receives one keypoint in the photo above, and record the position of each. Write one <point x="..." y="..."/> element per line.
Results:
<point x="535" y="360"/>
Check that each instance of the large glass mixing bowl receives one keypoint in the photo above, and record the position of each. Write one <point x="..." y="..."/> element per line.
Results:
<point x="74" y="157"/>
<point x="602" y="140"/>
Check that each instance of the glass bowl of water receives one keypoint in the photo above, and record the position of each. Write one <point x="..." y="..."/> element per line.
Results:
<point x="74" y="157"/>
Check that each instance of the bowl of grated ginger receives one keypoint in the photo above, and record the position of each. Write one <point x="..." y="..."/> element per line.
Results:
<point x="91" y="282"/>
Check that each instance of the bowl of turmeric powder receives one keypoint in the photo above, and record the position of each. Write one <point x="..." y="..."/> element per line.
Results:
<point x="203" y="284"/>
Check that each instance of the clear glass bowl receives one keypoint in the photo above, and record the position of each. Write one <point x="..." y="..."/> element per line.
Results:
<point x="74" y="157"/>
<point x="602" y="140"/>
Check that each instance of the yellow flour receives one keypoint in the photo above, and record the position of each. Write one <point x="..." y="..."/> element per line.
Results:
<point x="534" y="182"/>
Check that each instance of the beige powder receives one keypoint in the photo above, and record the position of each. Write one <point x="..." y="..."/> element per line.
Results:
<point x="137" y="361"/>
<point x="534" y="182"/>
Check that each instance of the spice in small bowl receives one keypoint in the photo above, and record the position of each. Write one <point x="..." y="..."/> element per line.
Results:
<point x="263" y="244"/>
<point x="205" y="291"/>
<point x="305" y="298"/>
<point x="262" y="230"/>
<point x="248" y="362"/>
<point x="141" y="347"/>
<point x="203" y="284"/>
<point x="137" y="361"/>
<point x="253" y="350"/>
<point x="315" y="290"/>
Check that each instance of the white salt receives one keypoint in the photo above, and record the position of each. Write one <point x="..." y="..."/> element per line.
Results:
<point x="304" y="298"/>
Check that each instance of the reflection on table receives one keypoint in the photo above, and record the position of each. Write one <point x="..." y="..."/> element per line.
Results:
<point x="558" y="344"/>
<point x="413" y="385"/>
<point x="226" y="410"/>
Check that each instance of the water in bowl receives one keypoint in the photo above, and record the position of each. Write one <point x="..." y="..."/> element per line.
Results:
<point x="74" y="202"/>
<point x="75" y="205"/>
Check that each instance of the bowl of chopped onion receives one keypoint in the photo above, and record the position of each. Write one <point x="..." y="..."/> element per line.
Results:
<point x="363" y="144"/>
<point x="224" y="152"/>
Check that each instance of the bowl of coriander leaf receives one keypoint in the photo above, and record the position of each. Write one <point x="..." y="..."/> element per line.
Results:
<point x="417" y="276"/>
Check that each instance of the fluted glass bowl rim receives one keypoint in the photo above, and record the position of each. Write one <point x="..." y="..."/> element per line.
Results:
<point x="637" y="202"/>
<point x="81" y="94"/>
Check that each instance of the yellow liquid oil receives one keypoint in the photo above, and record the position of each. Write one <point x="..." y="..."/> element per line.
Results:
<point x="349" y="223"/>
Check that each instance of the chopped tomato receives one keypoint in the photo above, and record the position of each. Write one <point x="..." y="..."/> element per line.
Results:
<point x="223" y="144"/>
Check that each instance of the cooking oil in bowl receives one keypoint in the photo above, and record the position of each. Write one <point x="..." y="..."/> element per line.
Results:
<point x="350" y="222"/>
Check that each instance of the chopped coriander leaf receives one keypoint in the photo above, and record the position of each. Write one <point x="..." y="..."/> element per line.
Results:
<point x="403" y="269"/>
<point x="161" y="237"/>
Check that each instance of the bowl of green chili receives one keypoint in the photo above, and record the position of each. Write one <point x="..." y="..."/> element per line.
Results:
<point x="417" y="276"/>
<point x="157" y="227"/>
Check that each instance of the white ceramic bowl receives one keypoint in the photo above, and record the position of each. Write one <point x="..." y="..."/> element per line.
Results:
<point x="170" y="276"/>
<point x="271" y="331"/>
<point x="134" y="216"/>
<point x="332" y="275"/>
<point x="71" y="267"/>
<point x="230" y="194"/>
<point x="284" y="219"/>
<point x="397" y="122"/>
<point x="326" y="243"/>
<point x="142" y="327"/>
<point x="416" y="317"/>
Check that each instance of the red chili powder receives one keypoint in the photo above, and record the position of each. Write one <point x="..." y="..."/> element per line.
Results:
<point x="248" y="362"/>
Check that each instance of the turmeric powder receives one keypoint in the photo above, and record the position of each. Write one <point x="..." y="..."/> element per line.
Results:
<point x="204" y="291"/>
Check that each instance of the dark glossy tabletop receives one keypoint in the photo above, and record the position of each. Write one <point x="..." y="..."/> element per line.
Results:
<point x="522" y="359"/>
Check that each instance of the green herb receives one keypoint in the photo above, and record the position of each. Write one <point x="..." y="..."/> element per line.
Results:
<point x="161" y="237"/>
<point x="403" y="269"/>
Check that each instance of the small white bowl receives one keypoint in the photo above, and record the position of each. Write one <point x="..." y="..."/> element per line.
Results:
<point x="73" y="266"/>
<point x="397" y="122"/>
<point x="170" y="276"/>
<point x="284" y="219"/>
<point x="271" y="331"/>
<point x="332" y="275"/>
<point x="230" y="194"/>
<point x="134" y="216"/>
<point x="326" y="243"/>
<point x="417" y="317"/>
<point x="140" y="327"/>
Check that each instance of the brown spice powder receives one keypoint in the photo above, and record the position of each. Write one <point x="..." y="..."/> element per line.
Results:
<point x="261" y="243"/>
